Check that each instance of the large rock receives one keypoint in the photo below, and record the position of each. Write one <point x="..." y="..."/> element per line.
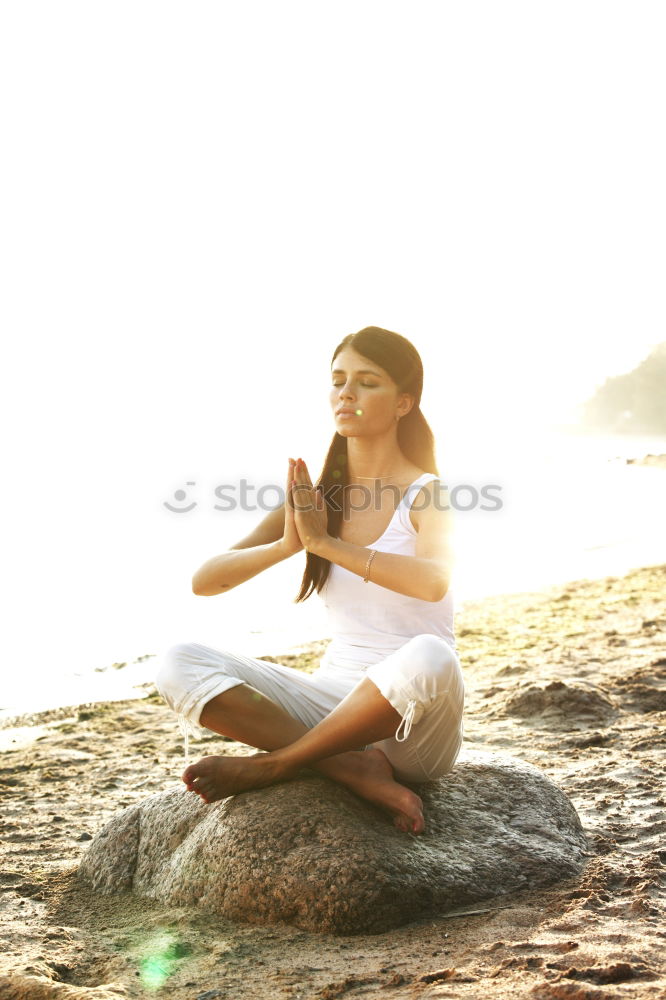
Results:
<point x="313" y="854"/>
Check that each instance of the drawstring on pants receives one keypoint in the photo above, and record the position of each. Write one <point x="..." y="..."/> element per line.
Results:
<point x="187" y="729"/>
<point x="406" y="720"/>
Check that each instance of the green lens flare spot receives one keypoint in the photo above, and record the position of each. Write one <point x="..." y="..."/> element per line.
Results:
<point x="359" y="413"/>
<point x="158" y="956"/>
<point x="154" y="972"/>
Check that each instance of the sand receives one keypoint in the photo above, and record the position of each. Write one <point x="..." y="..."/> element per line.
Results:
<point x="597" y="936"/>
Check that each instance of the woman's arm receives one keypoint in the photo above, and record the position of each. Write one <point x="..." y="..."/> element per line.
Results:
<point x="274" y="539"/>
<point x="256" y="552"/>
<point x="425" y="575"/>
<point x="407" y="575"/>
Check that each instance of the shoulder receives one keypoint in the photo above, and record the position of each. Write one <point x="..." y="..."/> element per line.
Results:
<point x="432" y="520"/>
<point x="430" y="506"/>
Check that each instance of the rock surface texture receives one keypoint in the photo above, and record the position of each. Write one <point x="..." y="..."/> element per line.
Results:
<point x="312" y="854"/>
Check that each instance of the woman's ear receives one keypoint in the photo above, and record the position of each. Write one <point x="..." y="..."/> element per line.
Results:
<point x="409" y="403"/>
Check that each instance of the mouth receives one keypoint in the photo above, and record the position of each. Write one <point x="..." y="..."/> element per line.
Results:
<point x="345" y="413"/>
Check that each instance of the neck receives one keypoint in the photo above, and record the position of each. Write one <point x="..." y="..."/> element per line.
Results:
<point x="374" y="458"/>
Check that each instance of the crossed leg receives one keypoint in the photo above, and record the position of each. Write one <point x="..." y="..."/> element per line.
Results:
<point x="363" y="716"/>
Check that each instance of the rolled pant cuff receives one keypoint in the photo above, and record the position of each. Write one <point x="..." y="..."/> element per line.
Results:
<point x="193" y="703"/>
<point x="403" y="700"/>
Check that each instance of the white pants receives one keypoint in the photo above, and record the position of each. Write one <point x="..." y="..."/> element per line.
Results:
<point x="422" y="680"/>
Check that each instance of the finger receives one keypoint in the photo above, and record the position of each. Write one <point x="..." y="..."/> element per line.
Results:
<point x="301" y="498"/>
<point x="302" y="476"/>
<point x="290" y="482"/>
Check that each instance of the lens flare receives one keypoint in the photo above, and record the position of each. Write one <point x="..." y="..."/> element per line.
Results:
<point x="154" y="972"/>
<point x="158" y="957"/>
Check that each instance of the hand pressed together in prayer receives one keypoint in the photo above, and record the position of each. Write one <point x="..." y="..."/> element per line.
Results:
<point x="308" y="506"/>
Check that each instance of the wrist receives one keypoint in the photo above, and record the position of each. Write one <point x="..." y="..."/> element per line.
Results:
<point x="321" y="546"/>
<point x="281" y="552"/>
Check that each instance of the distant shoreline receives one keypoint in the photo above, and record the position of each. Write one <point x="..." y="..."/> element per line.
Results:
<point x="657" y="461"/>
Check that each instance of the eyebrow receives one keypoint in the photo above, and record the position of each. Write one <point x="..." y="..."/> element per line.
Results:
<point x="361" y="371"/>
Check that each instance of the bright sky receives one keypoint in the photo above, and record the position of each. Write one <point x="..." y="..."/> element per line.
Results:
<point x="199" y="201"/>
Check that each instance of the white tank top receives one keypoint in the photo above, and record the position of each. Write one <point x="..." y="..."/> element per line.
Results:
<point x="367" y="621"/>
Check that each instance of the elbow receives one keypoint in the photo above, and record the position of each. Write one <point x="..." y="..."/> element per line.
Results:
<point x="439" y="590"/>
<point x="197" y="588"/>
<point x="201" y="591"/>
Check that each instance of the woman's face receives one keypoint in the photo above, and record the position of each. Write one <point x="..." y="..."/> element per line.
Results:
<point x="368" y="394"/>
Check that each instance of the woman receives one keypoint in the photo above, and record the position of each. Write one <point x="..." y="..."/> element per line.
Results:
<point x="376" y="531"/>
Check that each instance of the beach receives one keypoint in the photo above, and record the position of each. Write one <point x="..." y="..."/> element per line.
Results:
<point x="570" y="677"/>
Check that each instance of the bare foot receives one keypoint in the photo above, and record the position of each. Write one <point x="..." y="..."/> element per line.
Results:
<point x="372" y="778"/>
<point x="217" y="777"/>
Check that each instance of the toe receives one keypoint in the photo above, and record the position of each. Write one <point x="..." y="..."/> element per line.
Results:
<point x="203" y="789"/>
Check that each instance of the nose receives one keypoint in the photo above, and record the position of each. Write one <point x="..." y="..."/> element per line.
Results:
<point x="344" y="393"/>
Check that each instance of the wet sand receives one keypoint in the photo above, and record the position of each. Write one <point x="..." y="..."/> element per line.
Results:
<point x="571" y="678"/>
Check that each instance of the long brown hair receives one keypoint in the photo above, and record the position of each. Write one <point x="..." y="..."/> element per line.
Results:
<point x="397" y="356"/>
